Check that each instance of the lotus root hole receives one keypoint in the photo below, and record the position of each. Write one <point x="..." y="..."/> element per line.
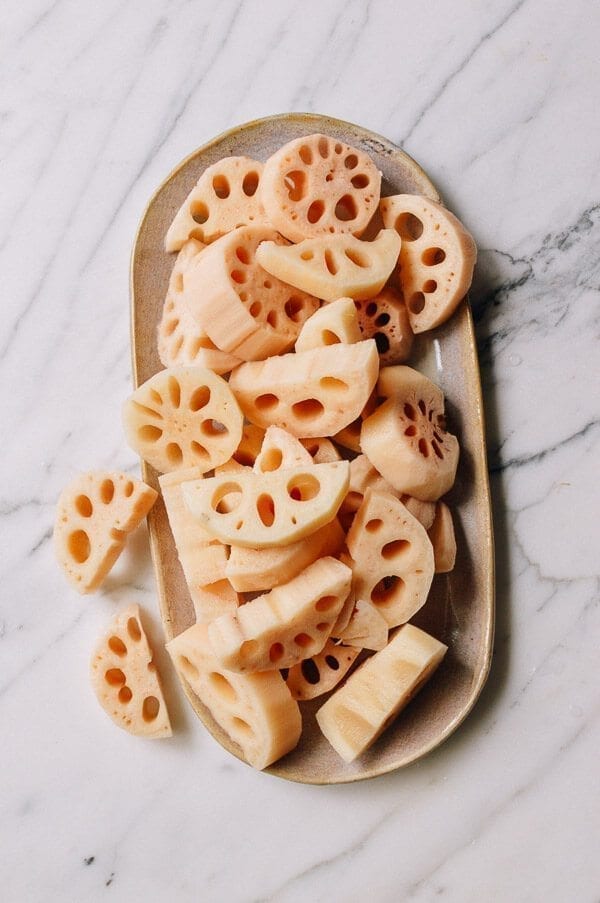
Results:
<point x="430" y="286"/>
<point x="372" y="526"/>
<point x="309" y="407"/>
<point x="332" y="662"/>
<point x="174" y="453"/>
<point x="382" y="320"/>
<point x="303" y="487"/>
<point x="323" y="626"/>
<point x="315" y="212"/>
<point x="267" y="284"/>
<point x="226" y="498"/>
<point x="417" y="302"/>
<point x="409" y="227"/>
<point x="238" y="276"/>
<point x="432" y="256"/>
<point x="394" y="548"/>
<point x="174" y="391"/>
<point x="330" y="262"/>
<point x="242" y="255"/>
<point x="133" y="629"/>
<point x="84" y="505"/>
<point x="357" y="258"/>
<point x="221" y="186"/>
<point x="371" y="309"/>
<point x="295" y="182"/>
<point x="410" y="412"/>
<point x="116" y="645"/>
<point x="125" y="695"/>
<point x="422" y="407"/>
<point x="250" y="183"/>
<point x="199" y="212"/>
<point x="345" y="209"/>
<point x="323" y="146"/>
<point x="241" y="727"/>
<point x="171" y="326"/>
<point x="271" y="460"/>
<point x="107" y="491"/>
<point x="382" y="342"/>
<point x="266" y="401"/>
<point x="325" y="603"/>
<point x="410" y="431"/>
<point x="276" y="652"/>
<point x="387" y="590"/>
<point x="188" y="668"/>
<point x="265" y="507"/>
<point x="293" y="308"/>
<point x="128" y="489"/>
<point x="303" y="640"/>
<point x="177" y="346"/>
<point x="310" y="671"/>
<point x="328" y="337"/>
<point x="306" y="255"/>
<point x="150" y="708"/>
<point x="360" y="180"/>
<point x="149" y="433"/>
<point x="178" y="282"/>
<point x="198" y="449"/>
<point x="221" y="686"/>
<point x="272" y="318"/>
<point x="437" y="449"/>
<point x="331" y="383"/>
<point x="424" y="448"/>
<point x="213" y="428"/>
<point x="305" y="154"/>
<point x="351" y="161"/>
<point x="79" y="546"/>
<point x="115" y="677"/>
<point x="255" y="309"/>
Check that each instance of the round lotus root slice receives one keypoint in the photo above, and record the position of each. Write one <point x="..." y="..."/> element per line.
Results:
<point x="317" y="186"/>
<point x="225" y="196"/>
<point x="406" y="440"/>
<point x="125" y="679"/>
<point x="322" y="672"/>
<point x="385" y="319"/>
<point x="183" y="417"/>
<point x="242" y="308"/>
<point x="180" y="339"/>
<point x="436" y="260"/>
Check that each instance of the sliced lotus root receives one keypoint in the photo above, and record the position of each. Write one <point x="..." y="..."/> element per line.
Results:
<point x="363" y="476"/>
<point x="316" y="185"/>
<point x="358" y="713"/>
<point x="183" y="417"/>
<point x="125" y="679"/>
<point x="180" y="338"/>
<point x="267" y="510"/>
<point x="384" y="318"/>
<point x="322" y="672"/>
<point x="406" y="440"/>
<point x="399" y="379"/>
<point x="94" y="515"/>
<point x="215" y="599"/>
<point x="393" y="557"/>
<point x="280" y="451"/>
<point x="243" y="309"/>
<point x="423" y="511"/>
<point x="332" y="324"/>
<point x="333" y="267"/>
<point x="443" y="539"/>
<point x="436" y="261"/>
<point x="321" y="450"/>
<point x="225" y="196"/>
<point x="367" y="628"/>
<point x="256" y="711"/>
<point x="310" y="394"/>
<point x="349" y="437"/>
<point x="291" y="622"/>
<point x="250" y="570"/>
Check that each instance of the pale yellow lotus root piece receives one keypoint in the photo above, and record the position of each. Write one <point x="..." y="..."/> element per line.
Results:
<point x="393" y="557"/>
<point x="280" y="451"/>
<point x="436" y="261"/>
<point x="183" y="417"/>
<point x="249" y="570"/>
<point x="399" y="379"/>
<point x="406" y="440"/>
<point x="310" y="394"/>
<point x="215" y="599"/>
<point x="250" y="445"/>
<point x="225" y="196"/>
<point x="256" y="711"/>
<point x="286" y="625"/>
<point x="322" y="451"/>
<point x="94" y="515"/>
<point x="322" y="672"/>
<point x="367" y="628"/>
<point x="180" y="338"/>
<point x="243" y="309"/>
<point x="349" y="437"/>
<point x="332" y="324"/>
<point x="358" y="713"/>
<point x="261" y="511"/>
<point x="334" y="267"/>
<point x="125" y="679"/>
<point x="443" y="539"/>
<point x="385" y="319"/>
<point x="315" y="185"/>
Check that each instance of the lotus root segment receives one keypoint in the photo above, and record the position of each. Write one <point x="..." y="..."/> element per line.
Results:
<point x="183" y="417"/>
<point x="94" y="515"/>
<point x="443" y="540"/>
<point x="316" y="186"/>
<point x="322" y="672"/>
<point x="332" y="324"/>
<point x="280" y="451"/>
<point x="367" y="628"/>
<point x="436" y="260"/>
<point x="225" y="196"/>
<point x="243" y="309"/>
<point x="125" y="679"/>
<point x="321" y="450"/>
<point x="385" y="319"/>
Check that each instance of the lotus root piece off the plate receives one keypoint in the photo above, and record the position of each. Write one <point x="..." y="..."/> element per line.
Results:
<point x="95" y="514"/>
<point x="436" y="260"/>
<point x="385" y="319"/>
<point x="322" y="672"/>
<point x="316" y="186"/>
<point x="125" y="679"/>
<point x="332" y="324"/>
<point x="183" y="417"/>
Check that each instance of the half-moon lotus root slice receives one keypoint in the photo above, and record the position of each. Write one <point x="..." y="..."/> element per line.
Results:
<point x="242" y="308"/>
<point x="183" y="417"/>
<point x="225" y="196"/>
<point x="332" y="324"/>
<point x="322" y="672"/>
<point x="443" y="540"/>
<point x="406" y="440"/>
<point x="334" y="266"/>
<point x="125" y="679"/>
<point x="393" y="557"/>
<point x="94" y="515"/>
<point x="256" y="711"/>
<point x="316" y="186"/>
<point x="384" y="318"/>
<point x="436" y="261"/>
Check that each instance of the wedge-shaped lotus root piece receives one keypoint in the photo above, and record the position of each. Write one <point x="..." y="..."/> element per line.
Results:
<point x="322" y="451"/>
<point x="332" y="324"/>
<point x="436" y="261"/>
<point x="280" y="451"/>
<point x="290" y="623"/>
<point x="183" y="417"/>
<point x="334" y="267"/>
<point x="358" y="713"/>
<point x="316" y="185"/>
<point x="180" y="339"/>
<point x="256" y="711"/>
<point x="215" y="599"/>
<point x="393" y="557"/>
<point x="94" y="515"/>
<point x="312" y="393"/>
<point x="406" y="440"/>
<point x="367" y="628"/>
<point x="322" y="672"/>
<point x="261" y="511"/>
<point x="250" y="445"/>
<point x="400" y="379"/>
<point x="249" y="570"/>
<point x="384" y="318"/>
<point x="349" y="437"/>
<point x="125" y="679"/>
<point x="225" y="196"/>
<point x="243" y="309"/>
<point x="443" y="539"/>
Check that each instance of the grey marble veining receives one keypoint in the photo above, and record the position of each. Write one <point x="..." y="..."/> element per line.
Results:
<point x="498" y="101"/>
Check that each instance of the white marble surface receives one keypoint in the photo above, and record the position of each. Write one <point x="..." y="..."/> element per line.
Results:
<point x="498" y="100"/>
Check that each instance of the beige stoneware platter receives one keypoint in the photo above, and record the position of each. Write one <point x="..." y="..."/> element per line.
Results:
<point x="460" y="608"/>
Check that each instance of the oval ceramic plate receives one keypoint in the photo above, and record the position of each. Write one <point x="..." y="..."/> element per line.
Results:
<point x="460" y="608"/>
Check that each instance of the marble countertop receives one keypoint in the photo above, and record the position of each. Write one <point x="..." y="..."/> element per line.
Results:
<point x="498" y="102"/>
